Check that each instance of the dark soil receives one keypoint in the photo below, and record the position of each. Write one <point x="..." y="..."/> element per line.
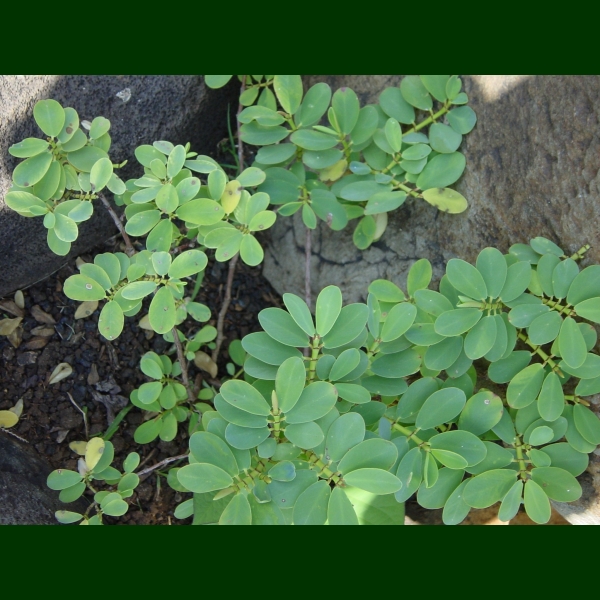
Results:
<point x="50" y="421"/>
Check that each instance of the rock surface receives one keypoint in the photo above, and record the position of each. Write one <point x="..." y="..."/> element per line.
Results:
<point x="176" y="108"/>
<point x="24" y="497"/>
<point x="533" y="164"/>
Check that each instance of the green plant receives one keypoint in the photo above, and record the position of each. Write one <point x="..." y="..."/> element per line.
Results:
<point x="463" y="396"/>
<point x="366" y="161"/>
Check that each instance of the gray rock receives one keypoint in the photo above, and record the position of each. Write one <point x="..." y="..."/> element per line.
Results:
<point x="175" y="108"/>
<point x="24" y="497"/>
<point x="533" y="163"/>
<point x="532" y="169"/>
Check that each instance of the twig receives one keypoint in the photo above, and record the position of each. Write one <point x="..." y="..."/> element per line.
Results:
<point x="85" y="423"/>
<point x="152" y="453"/>
<point x="129" y="249"/>
<point x="13" y="434"/>
<point x="308" y="251"/>
<point x="224" y="307"/>
<point x="162" y="463"/>
<point x="183" y="364"/>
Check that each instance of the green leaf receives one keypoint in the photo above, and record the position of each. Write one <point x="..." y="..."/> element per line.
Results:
<point x="311" y="506"/>
<point x="80" y="287"/>
<point x="138" y="289"/>
<point x="328" y="307"/>
<point x="444" y="139"/>
<point x="518" y="277"/>
<point x="288" y="89"/>
<point x="203" y="477"/>
<point x="481" y="412"/>
<point x="340" y="510"/>
<point x="536" y="502"/>
<point x="244" y="438"/>
<point x="345" y="433"/>
<point x="446" y="200"/>
<point x="217" y="81"/>
<point x="245" y="397"/>
<point x="356" y="394"/>
<point x="299" y="312"/>
<point x="375" y="481"/>
<point x="251" y="251"/>
<point x="565" y="457"/>
<point x="545" y="328"/>
<point x="493" y="269"/>
<point x="65" y="228"/>
<point x="587" y="424"/>
<point x="285" y="494"/>
<point x="99" y="127"/>
<point x="551" y="400"/>
<point x="141" y="223"/>
<point x="436" y="85"/>
<point x="278" y="153"/>
<point x="557" y="483"/>
<point x="281" y="327"/>
<point x="437" y="495"/>
<point x="398" y="321"/>
<point x="28" y="147"/>
<point x="148" y="431"/>
<point x="238" y="417"/>
<point x="111" y="320"/>
<point x="162" y="313"/>
<point x="72" y="493"/>
<point x="283" y="471"/>
<point x="466" y="279"/>
<point x="85" y="158"/>
<point x="571" y="343"/>
<point x="481" y="338"/>
<point x="209" y="448"/>
<point x="314" y="105"/>
<point x="304" y="435"/>
<point x="50" y="116"/>
<point x="489" y="487"/>
<point x="188" y="263"/>
<point x="410" y="473"/>
<point x="348" y="326"/>
<point x="315" y="401"/>
<point x="458" y="321"/>
<point x="61" y="479"/>
<point x="345" y="364"/>
<point x="237" y="512"/>
<point x="511" y="502"/>
<point x="456" y="509"/>
<point x="399" y="364"/>
<point x="394" y="105"/>
<point x="462" y="119"/>
<point x="525" y="386"/>
<point x="22" y="202"/>
<point x="442" y="170"/>
<point x="263" y="347"/>
<point x="67" y="517"/>
<point x="441" y="407"/>
<point x="463" y="443"/>
<point x="31" y="170"/>
<point x="308" y="139"/>
<point x="585" y="286"/>
<point x="346" y="106"/>
<point x="364" y="234"/>
<point x="415" y="93"/>
<point x="444" y="354"/>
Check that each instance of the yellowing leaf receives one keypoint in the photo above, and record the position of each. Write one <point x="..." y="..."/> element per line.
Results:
<point x="78" y="447"/>
<point x="335" y="171"/>
<point x="85" y="309"/>
<point x="17" y="408"/>
<point x="7" y="326"/>
<point x="203" y="361"/>
<point x="93" y="451"/>
<point x="446" y="200"/>
<point x="231" y="196"/>
<point x="62" y="371"/>
<point x="8" y="419"/>
<point x="19" y="299"/>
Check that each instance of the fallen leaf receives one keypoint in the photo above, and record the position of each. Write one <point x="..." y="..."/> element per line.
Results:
<point x="82" y="467"/>
<point x="78" y="447"/>
<point x="205" y="362"/>
<point x="43" y="331"/>
<point x="7" y="326"/>
<point x="62" y="371"/>
<point x="36" y="343"/>
<point x="16" y="337"/>
<point x="62" y="434"/>
<point x="93" y="377"/>
<point x="12" y="307"/>
<point x="79" y="261"/>
<point x="42" y="317"/>
<point x="8" y="419"/>
<point x="144" y="323"/>
<point x="17" y="408"/>
<point x="19" y="299"/>
<point x="85" y="309"/>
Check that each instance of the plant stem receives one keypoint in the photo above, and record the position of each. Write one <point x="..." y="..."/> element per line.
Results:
<point x="307" y="254"/>
<point x="537" y="350"/>
<point x="240" y="145"/>
<point x="224" y="307"/>
<point x="183" y="365"/>
<point x="162" y="463"/>
<point x="129" y="249"/>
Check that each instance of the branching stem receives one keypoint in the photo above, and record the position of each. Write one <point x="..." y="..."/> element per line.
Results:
<point x="162" y="463"/>
<point x="129" y="249"/>
<point x="224" y="307"/>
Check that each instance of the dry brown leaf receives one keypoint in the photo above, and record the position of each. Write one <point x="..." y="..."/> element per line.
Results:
<point x="17" y="408"/>
<point x="7" y="419"/>
<point x="42" y="317"/>
<point x="12" y="308"/>
<point x="62" y="434"/>
<point x="85" y="309"/>
<point x="42" y="331"/>
<point x="205" y="362"/>
<point x="16" y="337"/>
<point x="36" y="343"/>
<point x="7" y="326"/>
<point x="62" y="371"/>
<point x="19" y="299"/>
<point x="93" y="378"/>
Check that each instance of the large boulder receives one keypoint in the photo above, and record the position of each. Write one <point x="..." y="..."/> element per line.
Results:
<point x="533" y="164"/>
<point x="24" y="496"/>
<point x="176" y="108"/>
